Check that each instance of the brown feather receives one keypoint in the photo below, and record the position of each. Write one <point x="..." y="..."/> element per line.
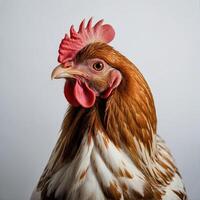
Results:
<point x="128" y="115"/>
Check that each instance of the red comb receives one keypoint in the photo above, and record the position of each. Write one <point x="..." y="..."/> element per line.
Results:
<point x="69" y="46"/>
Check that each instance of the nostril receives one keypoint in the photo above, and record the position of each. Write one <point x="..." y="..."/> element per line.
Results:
<point x="67" y="64"/>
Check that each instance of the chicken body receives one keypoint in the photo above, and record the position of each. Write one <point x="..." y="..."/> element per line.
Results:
<point x="108" y="146"/>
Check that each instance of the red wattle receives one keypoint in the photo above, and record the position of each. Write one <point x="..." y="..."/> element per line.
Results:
<point x="84" y="95"/>
<point x="78" y="93"/>
<point x="69" y="93"/>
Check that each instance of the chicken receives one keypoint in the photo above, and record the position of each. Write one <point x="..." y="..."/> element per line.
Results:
<point x="108" y="147"/>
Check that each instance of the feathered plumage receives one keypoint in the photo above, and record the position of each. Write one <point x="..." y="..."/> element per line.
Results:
<point x="109" y="149"/>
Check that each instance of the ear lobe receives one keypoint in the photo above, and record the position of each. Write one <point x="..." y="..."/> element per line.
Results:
<point x="115" y="79"/>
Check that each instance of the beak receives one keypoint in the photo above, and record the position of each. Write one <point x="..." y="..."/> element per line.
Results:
<point x="65" y="72"/>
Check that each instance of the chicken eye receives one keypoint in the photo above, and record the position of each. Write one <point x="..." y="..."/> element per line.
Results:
<point x="98" y="66"/>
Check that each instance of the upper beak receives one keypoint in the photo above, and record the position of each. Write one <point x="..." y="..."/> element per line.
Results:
<point x="65" y="72"/>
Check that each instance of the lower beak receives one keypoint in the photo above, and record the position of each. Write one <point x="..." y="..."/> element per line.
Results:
<point x="64" y="72"/>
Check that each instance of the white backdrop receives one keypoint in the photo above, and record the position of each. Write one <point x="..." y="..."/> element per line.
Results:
<point x="161" y="37"/>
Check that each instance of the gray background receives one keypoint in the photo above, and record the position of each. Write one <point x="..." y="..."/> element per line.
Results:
<point x="161" y="37"/>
